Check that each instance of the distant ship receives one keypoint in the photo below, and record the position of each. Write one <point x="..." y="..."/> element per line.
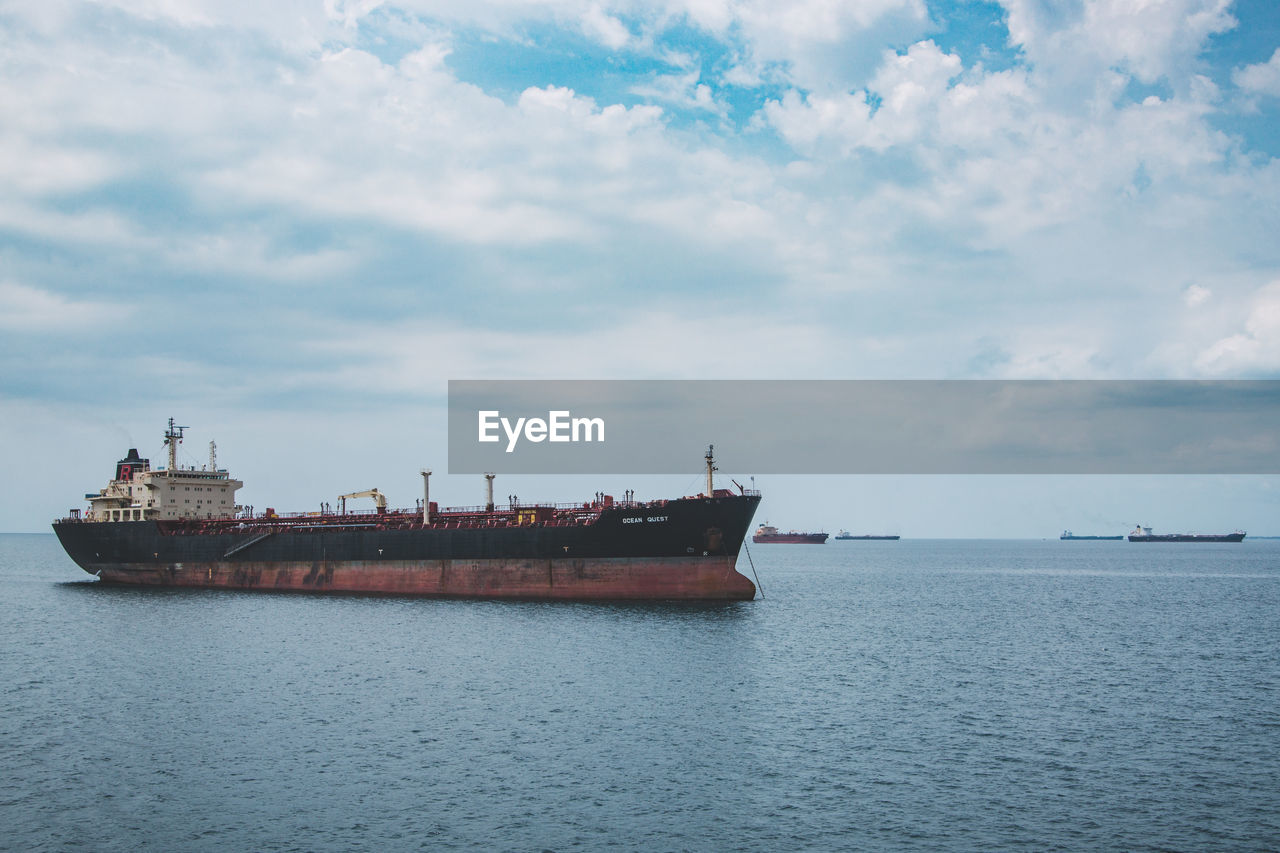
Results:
<point x="844" y="534"/>
<point x="1067" y="534"/>
<point x="1144" y="534"/>
<point x="767" y="534"/>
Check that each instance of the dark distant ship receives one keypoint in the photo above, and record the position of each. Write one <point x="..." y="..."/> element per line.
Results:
<point x="182" y="527"/>
<point x="844" y="534"/>
<point x="765" y="535"/>
<point x="1144" y="534"/>
<point x="1068" y="535"/>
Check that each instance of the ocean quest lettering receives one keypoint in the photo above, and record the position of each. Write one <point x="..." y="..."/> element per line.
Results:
<point x="559" y="426"/>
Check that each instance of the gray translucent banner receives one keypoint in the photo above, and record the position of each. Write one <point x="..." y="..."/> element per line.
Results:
<point x="865" y="426"/>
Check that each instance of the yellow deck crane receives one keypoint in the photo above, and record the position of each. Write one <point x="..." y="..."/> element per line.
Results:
<point x="379" y="499"/>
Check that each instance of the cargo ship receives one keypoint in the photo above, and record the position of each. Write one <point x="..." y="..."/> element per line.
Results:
<point x="181" y="527"/>
<point x="844" y="534"/>
<point x="1071" y="537"/>
<point x="1144" y="534"/>
<point x="765" y="534"/>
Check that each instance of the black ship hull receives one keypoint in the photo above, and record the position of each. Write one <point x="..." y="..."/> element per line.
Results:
<point x="1188" y="537"/>
<point x="680" y="549"/>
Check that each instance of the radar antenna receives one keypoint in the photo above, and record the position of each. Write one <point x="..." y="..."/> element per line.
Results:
<point x="172" y="438"/>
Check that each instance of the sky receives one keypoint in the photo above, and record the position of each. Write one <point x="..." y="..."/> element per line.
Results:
<point x="289" y="224"/>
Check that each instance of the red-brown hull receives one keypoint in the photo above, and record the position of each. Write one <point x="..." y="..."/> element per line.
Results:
<point x="789" y="538"/>
<point x="594" y="578"/>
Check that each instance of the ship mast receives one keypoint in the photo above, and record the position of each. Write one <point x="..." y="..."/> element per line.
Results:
<point x="711" y="468"/>
<point x="173" y="437"/>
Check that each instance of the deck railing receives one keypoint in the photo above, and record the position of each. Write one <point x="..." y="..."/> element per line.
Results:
<point x="501" y="514"/>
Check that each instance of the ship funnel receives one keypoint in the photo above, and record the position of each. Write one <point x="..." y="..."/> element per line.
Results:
<point x="488" y="484"/>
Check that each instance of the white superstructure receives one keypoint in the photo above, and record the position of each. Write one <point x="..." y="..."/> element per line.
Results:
<point x="138" y="493"/>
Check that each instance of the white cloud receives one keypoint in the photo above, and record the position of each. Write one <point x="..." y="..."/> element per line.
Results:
<point x="1262" y="78"/>
<point x="923" y="70"/>
<point x="813" y="21"/>
<point x="810" y="123"/>
<point x="349" y="12"/>
<point x="999" y="151"/>
<point x="675" y="345"/>
<point x="1195" y="296"/>
<point x="449" y="160"/>
<point x="31" y="309"/>
<point x="908" y="88"/>
<point x="39" y="170"/>
<point x="96" y="228"/>
<point x="683" y="91"/>
<point x="605" y="28"/>
<point x="1152" y="39"/>
<point x="744" y="75"/>
<point x="1255" y="349"/>
<point x="927" y="184"/>
<point x="824" y="45"/>
<point x="559" y="98"/>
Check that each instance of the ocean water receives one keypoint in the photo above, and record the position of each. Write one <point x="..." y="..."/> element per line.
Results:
<point x="913" y="695"/>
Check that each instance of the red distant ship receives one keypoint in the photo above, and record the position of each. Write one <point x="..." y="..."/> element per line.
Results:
<point x="767" y="534"/>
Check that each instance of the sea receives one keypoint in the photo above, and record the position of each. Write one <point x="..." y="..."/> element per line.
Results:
<point x="911" y="695"/>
